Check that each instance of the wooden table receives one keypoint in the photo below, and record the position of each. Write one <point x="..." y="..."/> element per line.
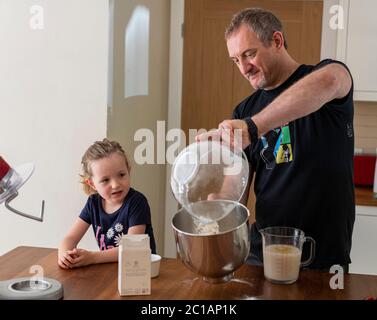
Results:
<point x="176" y="282"/>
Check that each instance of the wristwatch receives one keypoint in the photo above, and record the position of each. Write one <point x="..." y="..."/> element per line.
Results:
<point x="252" y="129"/>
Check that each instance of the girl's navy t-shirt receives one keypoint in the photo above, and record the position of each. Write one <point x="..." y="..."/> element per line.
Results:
<point x="109" y="228"/>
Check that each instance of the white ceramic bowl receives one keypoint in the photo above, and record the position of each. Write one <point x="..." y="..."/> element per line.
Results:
<point x="155" y="266"/>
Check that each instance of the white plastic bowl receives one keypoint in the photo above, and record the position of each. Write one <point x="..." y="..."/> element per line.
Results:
<point x="155" y="265"/>
<point x="199" y="174"/>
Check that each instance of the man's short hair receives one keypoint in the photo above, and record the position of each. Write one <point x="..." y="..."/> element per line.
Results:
<point x="264" y="23"/>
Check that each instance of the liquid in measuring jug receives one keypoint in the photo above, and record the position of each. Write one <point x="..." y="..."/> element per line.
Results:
<point x="281" y="262"/>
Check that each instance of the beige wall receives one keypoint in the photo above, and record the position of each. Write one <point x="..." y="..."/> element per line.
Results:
<point x="126" y="116"/>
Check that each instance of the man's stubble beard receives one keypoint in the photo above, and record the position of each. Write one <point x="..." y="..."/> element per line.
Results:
<point x="261" y="85"/>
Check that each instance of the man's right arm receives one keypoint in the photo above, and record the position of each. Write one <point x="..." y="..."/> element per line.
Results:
<point x="306" y="96"/>
<point x="309" y="94"/>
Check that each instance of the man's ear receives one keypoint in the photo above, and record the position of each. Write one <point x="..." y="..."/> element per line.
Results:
<point x="278" y="39"/>
<point x="90" y="183"/>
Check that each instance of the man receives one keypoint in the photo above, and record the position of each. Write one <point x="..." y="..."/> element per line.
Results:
<point x="297" y="131"/>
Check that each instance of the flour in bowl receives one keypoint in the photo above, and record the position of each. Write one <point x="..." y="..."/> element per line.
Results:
<point x="206" y="228"/>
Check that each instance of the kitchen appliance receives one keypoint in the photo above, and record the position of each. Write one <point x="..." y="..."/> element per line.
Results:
<point x="364" y="167"/>
<point x="29" y="289"/>
<point x="212" y="228"/>
<point x="11" y="180"/>
<point x="214" y="256"/>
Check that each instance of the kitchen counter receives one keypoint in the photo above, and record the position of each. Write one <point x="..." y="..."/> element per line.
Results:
<point x="176" y="282"/>
<point x="364" y="197"/>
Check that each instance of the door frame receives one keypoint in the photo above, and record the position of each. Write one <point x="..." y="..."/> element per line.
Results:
<point x="174" y="112"/>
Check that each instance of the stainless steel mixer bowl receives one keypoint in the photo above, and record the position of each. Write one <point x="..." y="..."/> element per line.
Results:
<point x="213" y="256"/>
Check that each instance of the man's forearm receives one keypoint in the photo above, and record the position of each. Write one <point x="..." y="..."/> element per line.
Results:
<point x="305" y="97"/>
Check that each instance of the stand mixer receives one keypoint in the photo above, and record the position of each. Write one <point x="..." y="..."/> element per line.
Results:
<point x="212" y="227"/>
<point x="11" y="180"/>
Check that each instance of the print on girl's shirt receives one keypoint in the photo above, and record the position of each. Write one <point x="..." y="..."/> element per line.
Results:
<point x="117" y="239"/>
<point x="110" y="235"/>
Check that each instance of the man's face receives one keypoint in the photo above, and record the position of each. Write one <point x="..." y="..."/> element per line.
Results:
<point x="254" y="60"/>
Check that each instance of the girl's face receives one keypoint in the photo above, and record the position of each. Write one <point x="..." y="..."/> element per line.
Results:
<point x="110" y="178"/>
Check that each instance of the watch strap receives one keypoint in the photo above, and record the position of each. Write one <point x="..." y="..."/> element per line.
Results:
<point x="252" y="129"/>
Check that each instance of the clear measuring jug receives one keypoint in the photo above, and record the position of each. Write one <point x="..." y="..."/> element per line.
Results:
<point x="282" y="249"/>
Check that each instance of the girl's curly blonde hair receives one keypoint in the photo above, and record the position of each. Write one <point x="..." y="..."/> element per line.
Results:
<point x="98" y="150"/>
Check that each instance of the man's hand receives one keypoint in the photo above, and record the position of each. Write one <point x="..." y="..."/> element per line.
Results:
<point x="234" y="133"/>
<point x="239" y="135"/>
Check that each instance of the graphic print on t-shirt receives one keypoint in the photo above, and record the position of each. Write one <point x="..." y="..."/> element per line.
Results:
<point x="113" y="234"/>
<point x="283" y="146"/>
<point x="277" y="147"/>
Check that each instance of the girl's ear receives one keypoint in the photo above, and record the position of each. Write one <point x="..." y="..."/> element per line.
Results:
<point x="90" y="183"/>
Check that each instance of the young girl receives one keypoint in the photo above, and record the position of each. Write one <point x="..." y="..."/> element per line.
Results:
<point x="113" y="207"/>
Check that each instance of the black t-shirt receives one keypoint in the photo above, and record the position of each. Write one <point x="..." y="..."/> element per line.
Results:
<point x="304" y="173"/>
<point x="109" y="228"/>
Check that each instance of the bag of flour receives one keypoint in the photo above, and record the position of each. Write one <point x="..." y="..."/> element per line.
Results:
<point x="134" y="265"/>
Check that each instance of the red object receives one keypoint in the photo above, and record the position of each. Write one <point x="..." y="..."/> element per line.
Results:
<point x="364" y="166"/>
<point x="4" y="168"/>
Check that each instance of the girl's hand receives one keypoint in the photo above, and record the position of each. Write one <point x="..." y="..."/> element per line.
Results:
<point x="66" y="259"/>
<point x="81" y="257"/>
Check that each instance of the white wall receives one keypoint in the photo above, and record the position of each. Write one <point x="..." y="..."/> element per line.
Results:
<point x="53" y="106"/>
